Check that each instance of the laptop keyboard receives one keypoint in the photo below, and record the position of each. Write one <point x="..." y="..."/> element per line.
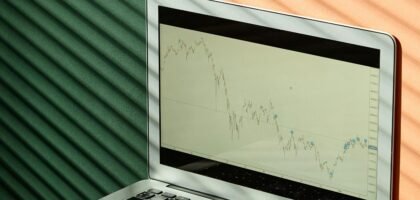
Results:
<point x="154" y="194"/>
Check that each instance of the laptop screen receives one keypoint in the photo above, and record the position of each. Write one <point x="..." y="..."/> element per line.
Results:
<point x="277" y="111"/>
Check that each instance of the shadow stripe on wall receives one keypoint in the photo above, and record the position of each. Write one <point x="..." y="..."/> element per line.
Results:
<point x="47" y="153"/>
<point x="73" y="98"/>
<point x="76" y="69"/>
<point x="13" y="147"/>
<point x="59" y="80"/>
<point x="73" y="112"/>
<point x="82" y="50"/>
<point x="24" y="49"/>
<point x="52" y="113"/>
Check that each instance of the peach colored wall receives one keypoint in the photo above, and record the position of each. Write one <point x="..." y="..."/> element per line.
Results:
<point x="400" y="18"/>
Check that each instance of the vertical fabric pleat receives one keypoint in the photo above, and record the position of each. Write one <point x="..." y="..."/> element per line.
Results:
<point x="73" y="116"/>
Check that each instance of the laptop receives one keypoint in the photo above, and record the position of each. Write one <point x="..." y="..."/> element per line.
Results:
<point x="252" y="104"/>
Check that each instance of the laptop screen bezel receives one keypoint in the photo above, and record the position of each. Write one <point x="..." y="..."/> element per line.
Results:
<point x="382" y="41"/>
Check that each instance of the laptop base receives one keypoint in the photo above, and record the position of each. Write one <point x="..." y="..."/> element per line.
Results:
<point x="144" y="185"/>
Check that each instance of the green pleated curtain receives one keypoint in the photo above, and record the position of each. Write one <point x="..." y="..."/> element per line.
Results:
<point x="72" y="97"/>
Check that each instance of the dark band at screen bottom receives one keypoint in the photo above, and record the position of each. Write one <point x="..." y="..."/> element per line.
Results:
<point x="246" y="177"/>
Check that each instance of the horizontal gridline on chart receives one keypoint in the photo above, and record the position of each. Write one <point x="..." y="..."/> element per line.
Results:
<point x="225" y="112"/>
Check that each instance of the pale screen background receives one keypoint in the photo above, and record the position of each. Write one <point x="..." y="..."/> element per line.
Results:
<point x="292" y="115"/>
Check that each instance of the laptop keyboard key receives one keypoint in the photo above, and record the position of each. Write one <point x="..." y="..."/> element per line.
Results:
<point x="154" y="191"/>
<point x="181" y="198"/>
<point x="169" y="195"/>
<point x="159" y="198"/>
<point x="155" y="194"/>
<point x="133" y="198"/>
<point x="145" y="195"/>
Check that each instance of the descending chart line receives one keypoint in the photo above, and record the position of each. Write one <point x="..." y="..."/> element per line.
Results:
<point x="291" y="143"/>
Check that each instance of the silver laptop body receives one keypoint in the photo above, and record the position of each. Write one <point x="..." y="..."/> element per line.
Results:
<point x="252" y="104"/>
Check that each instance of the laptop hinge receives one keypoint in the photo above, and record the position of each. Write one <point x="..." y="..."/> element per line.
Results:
<point x="209" y="196"/>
